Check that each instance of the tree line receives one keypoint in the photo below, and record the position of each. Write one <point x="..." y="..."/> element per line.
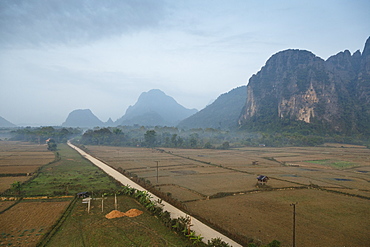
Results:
<point x="172" y="137"/>
<point x="41" y="134"/>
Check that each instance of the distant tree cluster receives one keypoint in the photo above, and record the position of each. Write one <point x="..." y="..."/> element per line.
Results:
<point x="208" y="138"/>
<point x="162" y="136"/>
<point x="41" y="134"/>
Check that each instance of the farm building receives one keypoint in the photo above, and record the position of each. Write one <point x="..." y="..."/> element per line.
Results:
<point x="83" y="194"/>
<point x="262" y="179"/>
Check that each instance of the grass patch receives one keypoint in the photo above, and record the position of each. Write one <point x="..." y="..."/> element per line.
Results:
<point x="83" y="229"/>
<point x="333" y="163"/>
<point x="70" y="175"/>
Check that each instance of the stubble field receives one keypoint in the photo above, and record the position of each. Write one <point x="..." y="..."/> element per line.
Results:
<point x="27" y="222"/>
<point x="330" y="184"/>
<point x="19" y="160"/>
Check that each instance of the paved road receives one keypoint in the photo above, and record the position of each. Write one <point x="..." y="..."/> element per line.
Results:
<point x="198" y="227"/>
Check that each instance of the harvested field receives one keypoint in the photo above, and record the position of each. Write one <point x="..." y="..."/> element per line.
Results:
<point x="23" y="157"/>
<point x="18" y="160"/>
<point x="323" y="219"/>
<point x="327" y="216"/>
<point x="180" y="193"/>
<point x="6" y="204"/>
<point x="6" y="182"/>
<point x="27" y="222"/>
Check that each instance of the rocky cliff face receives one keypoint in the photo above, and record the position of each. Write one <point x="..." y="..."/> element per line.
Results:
<point x="297" y="85"/>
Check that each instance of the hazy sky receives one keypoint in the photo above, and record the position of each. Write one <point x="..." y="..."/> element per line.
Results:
<point x="60" y="55"/>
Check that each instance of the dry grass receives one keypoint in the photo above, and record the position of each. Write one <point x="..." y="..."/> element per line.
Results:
<point x="19" y="157"/>
<point x="324" y="218"/>
<point x="6" y="182"/>
<point x="27" y="222"/>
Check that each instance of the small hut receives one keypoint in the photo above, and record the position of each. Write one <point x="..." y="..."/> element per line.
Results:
<point x="262" y="179"/>
<point x="83" y="194"/>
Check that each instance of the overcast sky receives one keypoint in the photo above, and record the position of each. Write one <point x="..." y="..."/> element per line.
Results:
<point x="60" y="55"/>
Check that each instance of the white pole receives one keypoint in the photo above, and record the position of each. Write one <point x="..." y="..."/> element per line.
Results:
<point x="115" y="201"/>
<point x="102" y="203"/>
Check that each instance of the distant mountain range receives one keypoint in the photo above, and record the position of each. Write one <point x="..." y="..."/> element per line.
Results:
<point x="223" y="113"/>
<point x="294" y="91"/>
<point x="5" y="123"/>
<point x="155" y="108"/>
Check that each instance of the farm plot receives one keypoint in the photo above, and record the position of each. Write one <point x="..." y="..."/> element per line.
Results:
<point x="19" y="160"/>
<point x="27" y="222"/>
<point x="6" y="204"/>
<point x="232" y="174"/>
<point x="323" y="219"/>
<point x="6" y="182"/>
<point x="128" y="159"/>
<point x="94" y="229"/>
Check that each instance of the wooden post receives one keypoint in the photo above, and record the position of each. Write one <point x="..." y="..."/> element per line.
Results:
<point x="115" y="201"/>
<point x="102" y="203"/>
<point x="157" y="170"/>
<point x="293" y="204"/>
<point x="88" y="206"/>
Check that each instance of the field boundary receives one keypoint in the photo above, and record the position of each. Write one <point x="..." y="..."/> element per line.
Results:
<point x="58" y="224"/>
<point x="15" y="203"/>
<point x="301" y="186"/>
<point x="35" y="174"/>
<point x="181" y="187"/>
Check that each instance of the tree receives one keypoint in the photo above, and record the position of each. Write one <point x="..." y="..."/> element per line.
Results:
<point x="52" y="145"/>
<point x="225" y="145"/>
<point x="150" y="138"/>
<point x="174" y="140"/>
<point x="208" y="145"/>
<point x="193" y="142"/>
<point x="17" y="186"/>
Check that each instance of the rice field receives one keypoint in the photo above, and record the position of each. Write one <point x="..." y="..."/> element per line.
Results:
<point x="330" y="184"/>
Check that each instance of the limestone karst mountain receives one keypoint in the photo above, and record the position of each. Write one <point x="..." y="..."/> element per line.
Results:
<point x="5" y="123"/>
<point x="155" y="108"/>
<point x="296" y="85"/>
<point x="223" y="113"/>
<point x="83" y="118"/>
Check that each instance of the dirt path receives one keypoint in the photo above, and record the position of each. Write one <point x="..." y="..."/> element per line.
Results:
<point x="200" y="229"/>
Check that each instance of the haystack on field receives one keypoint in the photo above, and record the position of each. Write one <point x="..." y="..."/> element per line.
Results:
<point x="19" y="160"/>
<point x="330" y="184"/>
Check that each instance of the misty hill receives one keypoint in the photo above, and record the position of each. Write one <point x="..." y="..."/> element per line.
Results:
<point x="223" y="113"/>
<point x="155" y="108"/>
<point x="5" y="123"/>
<point x="295" y="87"/>
<point x="82" y="118"/>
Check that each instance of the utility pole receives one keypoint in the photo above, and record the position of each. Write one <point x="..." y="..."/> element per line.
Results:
<point x="157" y="170"/>
<point x="293" y="204"/>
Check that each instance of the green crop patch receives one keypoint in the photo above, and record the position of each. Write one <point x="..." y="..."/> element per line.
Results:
<point x="83" y="228"/>
<point x="333" y="163"/>
<point x="70" y="175"/>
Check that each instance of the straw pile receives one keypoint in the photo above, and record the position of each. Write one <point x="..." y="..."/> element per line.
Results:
<point x="117" y="214"/>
